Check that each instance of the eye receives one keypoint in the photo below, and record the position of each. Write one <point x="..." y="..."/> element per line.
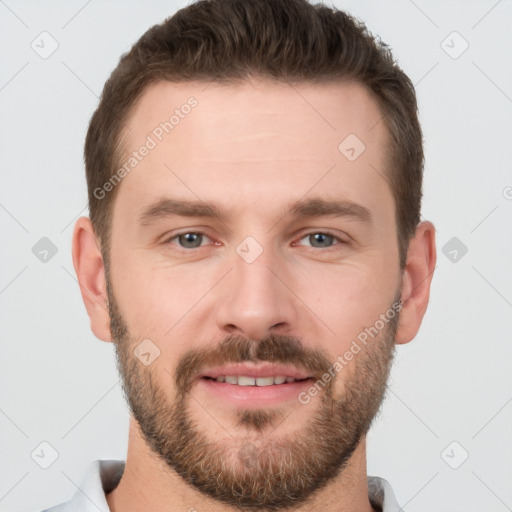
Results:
<point x="322" y="240"/>
<point x="195" y="239"/>
<point x="188" y="240"/>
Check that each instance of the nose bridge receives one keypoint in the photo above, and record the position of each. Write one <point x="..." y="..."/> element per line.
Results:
<point x="254" y="300"/>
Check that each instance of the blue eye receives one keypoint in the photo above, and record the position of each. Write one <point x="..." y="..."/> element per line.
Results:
<point x="196" y="239"/>
<point x="321" y="240"/>
<point x="190" y="240"/>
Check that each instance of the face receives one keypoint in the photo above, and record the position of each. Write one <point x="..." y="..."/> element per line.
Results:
<point x="252" y="273"/>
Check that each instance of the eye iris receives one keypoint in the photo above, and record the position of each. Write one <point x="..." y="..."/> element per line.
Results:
<point x="321" y="238"/>
<point x="191" y="240"/>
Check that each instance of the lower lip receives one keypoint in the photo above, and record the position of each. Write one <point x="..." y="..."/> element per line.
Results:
<point x="255" y="396"/>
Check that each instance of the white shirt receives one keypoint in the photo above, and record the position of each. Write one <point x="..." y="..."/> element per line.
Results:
<point x="104" y="476"/>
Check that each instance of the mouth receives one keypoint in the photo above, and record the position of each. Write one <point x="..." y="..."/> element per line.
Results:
<point x="250" y="374"/>
<point x="245" y="380"/>
<point x="252" y="386"/>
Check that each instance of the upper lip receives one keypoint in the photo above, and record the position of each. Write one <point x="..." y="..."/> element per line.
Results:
<point x="258" y="370"/>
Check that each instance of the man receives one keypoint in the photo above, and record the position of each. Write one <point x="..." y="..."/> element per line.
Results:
<point x="280" y="141"/>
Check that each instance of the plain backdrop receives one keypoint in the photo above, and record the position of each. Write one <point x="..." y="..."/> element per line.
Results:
<point x="443" y="439"/>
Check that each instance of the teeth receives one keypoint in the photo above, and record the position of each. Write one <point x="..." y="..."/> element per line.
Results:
<point x="243" y="380"/>
<point x="263" y="381"/>
<point x="246" y="381"/>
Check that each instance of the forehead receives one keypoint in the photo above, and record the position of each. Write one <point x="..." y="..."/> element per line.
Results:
<point x="327" y="110"/>
<point x="254" y="138"/>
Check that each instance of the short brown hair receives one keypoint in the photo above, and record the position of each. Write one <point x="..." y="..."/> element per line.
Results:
<point x="231" y="40"/>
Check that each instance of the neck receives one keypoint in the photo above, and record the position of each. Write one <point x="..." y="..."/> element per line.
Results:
<point x="149" y="484"/>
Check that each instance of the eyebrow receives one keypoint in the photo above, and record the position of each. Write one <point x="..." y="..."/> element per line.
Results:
<point x="310" y="208"/>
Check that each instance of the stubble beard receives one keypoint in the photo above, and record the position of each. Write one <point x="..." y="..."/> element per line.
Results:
<point x="256" y="469"/>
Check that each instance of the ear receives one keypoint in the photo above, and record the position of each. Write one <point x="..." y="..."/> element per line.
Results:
<point x="416" y="279"/>
<point x="90" y="272"/>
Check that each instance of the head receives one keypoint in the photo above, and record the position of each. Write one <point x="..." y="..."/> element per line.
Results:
<point x="254" y="173"/>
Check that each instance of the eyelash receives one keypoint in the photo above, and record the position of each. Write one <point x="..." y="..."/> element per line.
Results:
<point x="337" y="238"/>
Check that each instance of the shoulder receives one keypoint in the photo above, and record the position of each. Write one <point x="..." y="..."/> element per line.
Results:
<point x="381" y="495"/>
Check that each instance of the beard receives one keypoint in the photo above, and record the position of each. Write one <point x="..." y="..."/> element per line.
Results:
<point x="251" y="470"/>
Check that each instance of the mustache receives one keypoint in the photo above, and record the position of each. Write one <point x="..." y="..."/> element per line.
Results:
<point x="274" y="348"/>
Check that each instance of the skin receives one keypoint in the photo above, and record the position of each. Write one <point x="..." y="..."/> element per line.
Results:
<point x="254" y="149"/>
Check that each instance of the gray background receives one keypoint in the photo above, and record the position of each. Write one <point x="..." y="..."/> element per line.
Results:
<point x="58" y="383"/>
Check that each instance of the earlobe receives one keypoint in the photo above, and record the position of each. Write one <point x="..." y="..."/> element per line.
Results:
<point x="416" y="281"/>
<point x="90" y="272"/>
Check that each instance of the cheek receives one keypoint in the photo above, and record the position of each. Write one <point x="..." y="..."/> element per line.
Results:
<point x="347" y="298"/>
<point x="155" y="298"/>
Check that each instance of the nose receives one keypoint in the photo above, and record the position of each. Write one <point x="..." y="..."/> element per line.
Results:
<point x="256" y="298"/>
